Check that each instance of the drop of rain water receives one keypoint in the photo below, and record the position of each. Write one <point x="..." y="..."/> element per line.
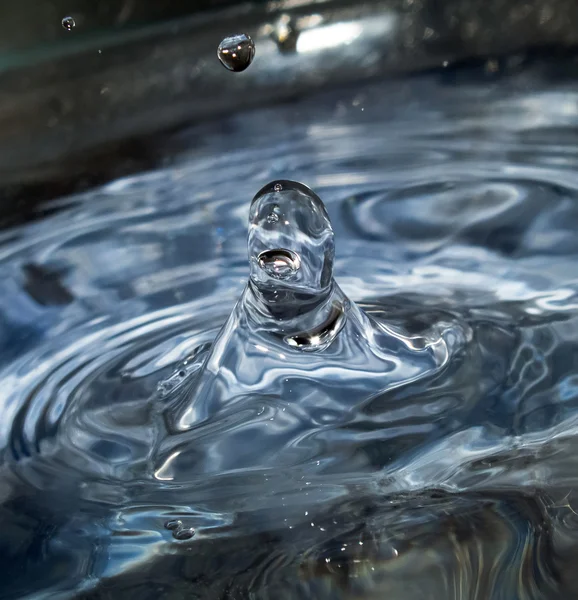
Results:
<point x="68" y="23"/>
<point x="236" y="52"/>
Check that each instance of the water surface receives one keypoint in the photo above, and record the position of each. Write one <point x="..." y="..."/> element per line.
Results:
<point x="453" y="203"/>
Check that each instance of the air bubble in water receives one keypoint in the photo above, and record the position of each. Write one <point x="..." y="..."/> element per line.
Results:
<point x="236" y="53"/>
<point x="277" y="187"/>
<point x="68" y="23"/>
<point x="279" y="263"/>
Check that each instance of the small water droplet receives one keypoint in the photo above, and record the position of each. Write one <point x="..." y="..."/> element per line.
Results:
<point x="236" y="52"/>
<point x="272" y="218"/>
<point x="184" y="533"/>
<point x="174" y="524"/>
<point x="68" y="23"/>
<point x="278" y="187"/>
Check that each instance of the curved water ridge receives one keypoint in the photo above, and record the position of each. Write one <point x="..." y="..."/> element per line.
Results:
<point x="297" y="345"/>
<point x="314" y="464"/>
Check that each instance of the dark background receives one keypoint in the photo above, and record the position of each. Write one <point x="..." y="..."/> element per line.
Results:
<point x="83" y="106"/>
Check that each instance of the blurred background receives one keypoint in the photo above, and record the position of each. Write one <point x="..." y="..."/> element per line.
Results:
<point x="86" y="103"/>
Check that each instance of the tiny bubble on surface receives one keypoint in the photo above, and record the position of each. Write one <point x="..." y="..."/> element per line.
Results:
<point x="180" y="532"/>
<point x="184" y="533"/>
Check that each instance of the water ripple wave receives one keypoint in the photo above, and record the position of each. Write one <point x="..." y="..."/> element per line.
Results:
<point x="450" y="204"/>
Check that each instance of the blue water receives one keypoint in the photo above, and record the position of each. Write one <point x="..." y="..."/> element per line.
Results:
<point x="454" y="208"/>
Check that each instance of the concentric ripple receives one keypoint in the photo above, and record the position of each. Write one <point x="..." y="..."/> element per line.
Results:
<point x="452" y="207"/>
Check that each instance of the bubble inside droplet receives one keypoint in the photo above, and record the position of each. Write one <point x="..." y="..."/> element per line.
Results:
<point x="279" y="263"/>
<point x="68" y="23"/>
<point x="285" y="34"/>
<point x="272" y="218"/>
<point x="298" y="251"/>
<point x="236" y="53"/>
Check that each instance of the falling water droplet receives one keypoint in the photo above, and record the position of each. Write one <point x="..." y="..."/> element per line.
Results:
<point x="236" y="53"/>
<point x="68" y="23"/>
<point x="278" y="187"/>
